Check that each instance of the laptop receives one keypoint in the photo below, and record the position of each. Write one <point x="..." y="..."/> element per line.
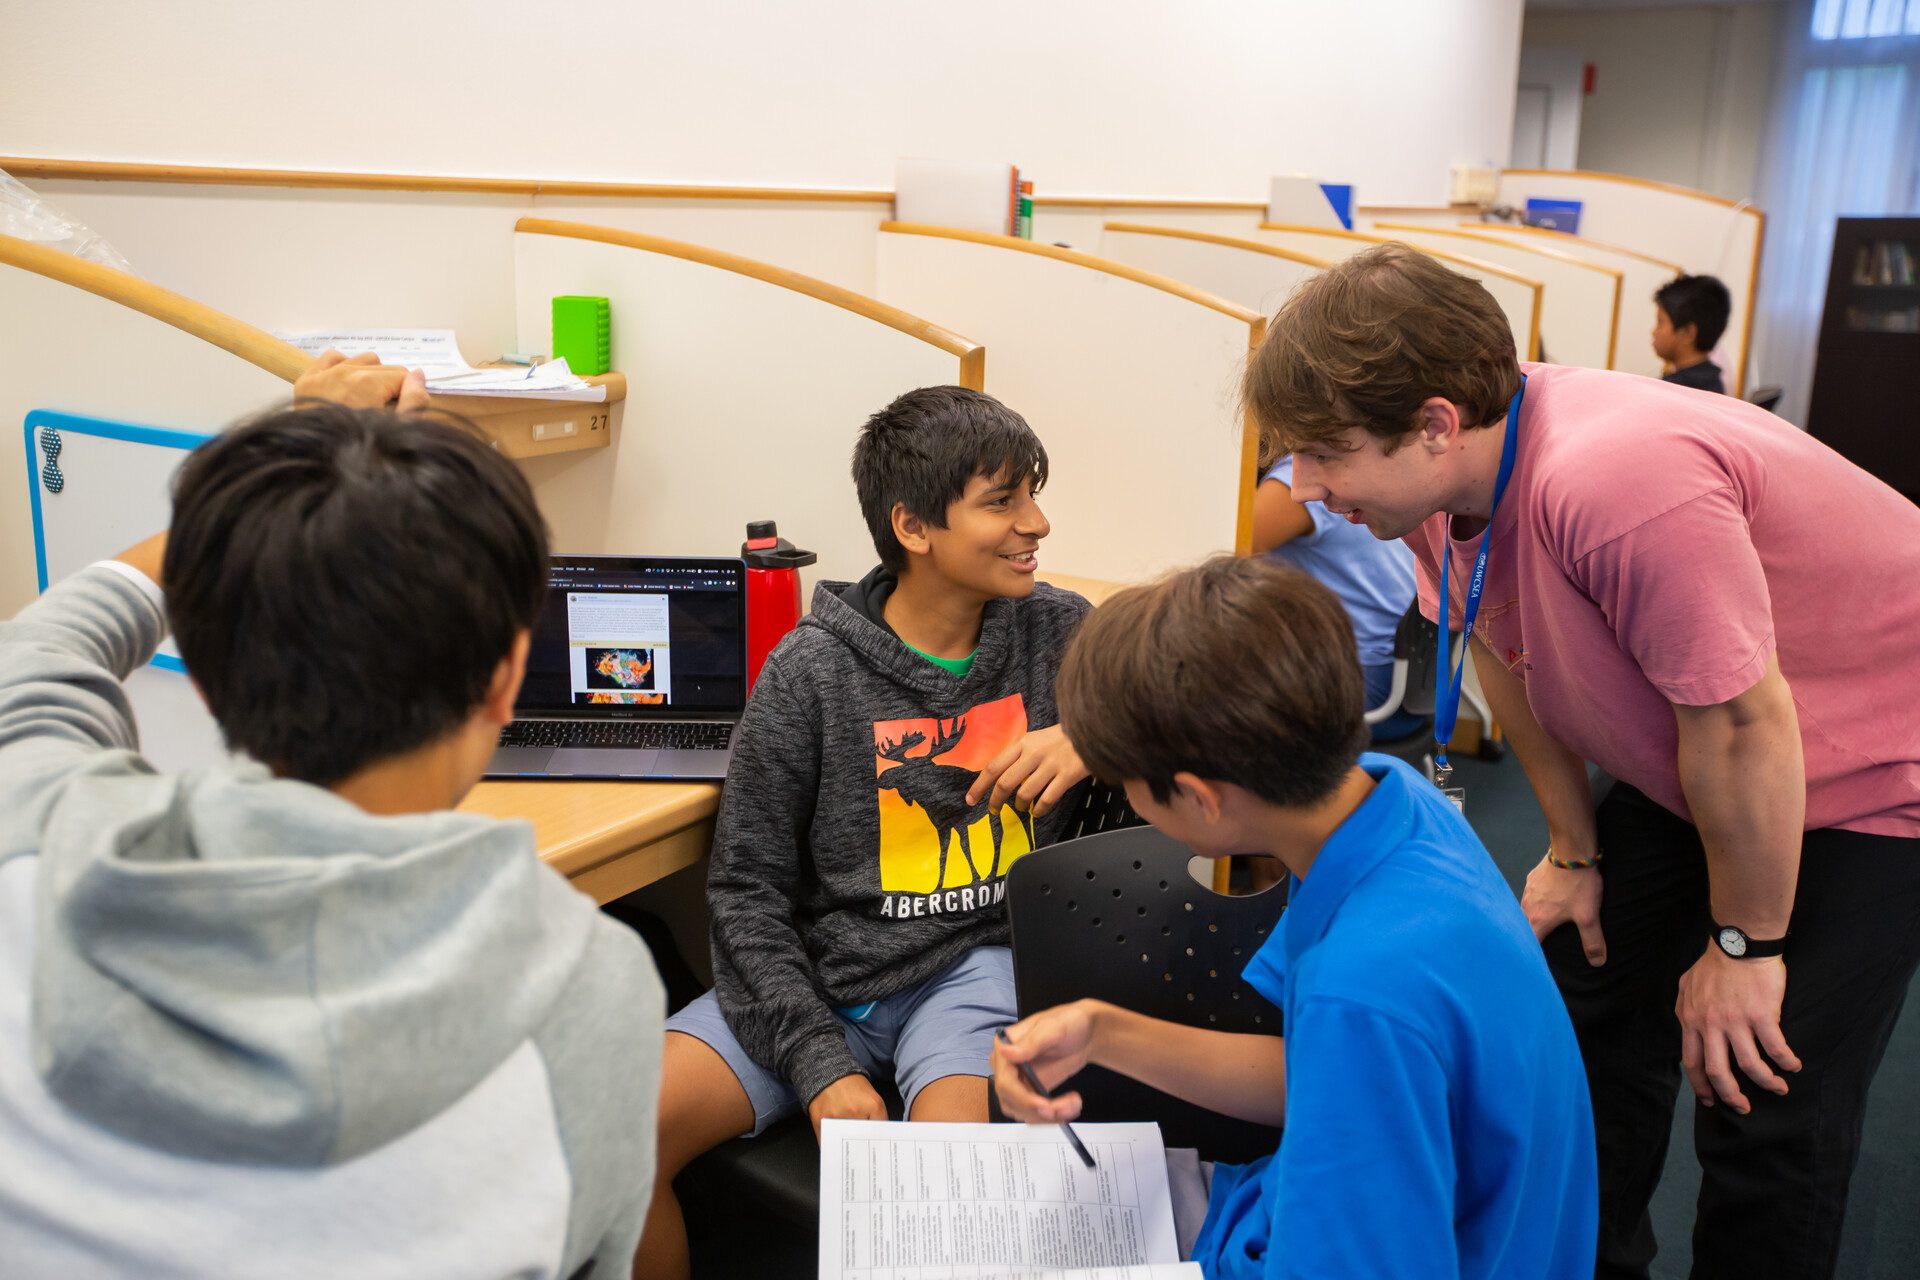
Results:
<point x="637" y="669"/>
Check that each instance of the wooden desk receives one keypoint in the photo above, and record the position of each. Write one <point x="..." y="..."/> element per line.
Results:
<point x="608" y="838"/>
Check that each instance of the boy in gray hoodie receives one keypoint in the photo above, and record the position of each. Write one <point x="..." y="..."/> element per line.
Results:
<point x="900" y="751"/>
<point x="290" y="1016"/>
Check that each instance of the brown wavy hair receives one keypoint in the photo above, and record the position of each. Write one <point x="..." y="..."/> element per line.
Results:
<point x="1237" y="670"/>
<point x="1367" y="342"/>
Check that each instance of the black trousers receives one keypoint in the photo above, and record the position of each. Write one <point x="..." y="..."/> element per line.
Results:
<point x="1774" y="1189"/>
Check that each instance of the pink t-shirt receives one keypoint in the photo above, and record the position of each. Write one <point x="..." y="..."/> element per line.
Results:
<point x="1657" y="545"/>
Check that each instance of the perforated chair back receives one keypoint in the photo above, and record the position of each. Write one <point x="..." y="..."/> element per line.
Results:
<point x="1117" y="916"/>
<point x="1416" y="642"/>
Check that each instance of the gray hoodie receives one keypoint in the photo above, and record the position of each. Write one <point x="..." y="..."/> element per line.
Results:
<point x="847" y="865"/>
<point x="248" y="1028"/>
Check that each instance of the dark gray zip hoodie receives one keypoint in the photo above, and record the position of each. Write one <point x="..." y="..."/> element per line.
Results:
<point x="847" y="865"/>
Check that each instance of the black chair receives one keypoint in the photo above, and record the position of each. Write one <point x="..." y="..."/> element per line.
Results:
<point x="1765" y="397"/>
<point x="779" y="1171"/>
<point x="1118" y="916"/>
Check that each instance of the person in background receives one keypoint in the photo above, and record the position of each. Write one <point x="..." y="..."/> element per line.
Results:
<point x="1691" y="314"/>
<point x="1372" y="579"/>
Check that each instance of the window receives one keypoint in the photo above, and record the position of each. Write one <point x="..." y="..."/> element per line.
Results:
<point x="1864" y="19"/>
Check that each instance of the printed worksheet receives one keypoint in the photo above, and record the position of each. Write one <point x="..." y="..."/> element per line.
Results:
<point x="981" y="1201"/>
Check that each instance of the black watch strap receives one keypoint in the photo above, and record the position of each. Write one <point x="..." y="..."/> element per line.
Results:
<point x="1735" y="942"/>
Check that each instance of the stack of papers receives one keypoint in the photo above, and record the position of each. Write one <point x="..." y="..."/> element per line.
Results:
<point x="991" y="1201"/>
<point x="437" y="354"/>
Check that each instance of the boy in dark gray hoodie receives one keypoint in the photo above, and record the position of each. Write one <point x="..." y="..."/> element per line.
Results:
<point x="288" y="1015"/>
<point x="900" y="751"/>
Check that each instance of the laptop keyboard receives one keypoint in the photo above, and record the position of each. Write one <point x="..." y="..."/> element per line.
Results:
<point x="678" y="735"/>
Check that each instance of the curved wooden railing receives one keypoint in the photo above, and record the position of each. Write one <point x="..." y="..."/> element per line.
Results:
<point x="1231" y="242"/>
<point x="1549" y="234"/>
<point x="972" y="356"/>
<point x="1671" y="188"/>
<point x="255" y="346"/>
<point x="1545" y="251"/>
<point x="221" y="176"/>
<point x="1465" y="260"/>
<point x="1165" y="284"/>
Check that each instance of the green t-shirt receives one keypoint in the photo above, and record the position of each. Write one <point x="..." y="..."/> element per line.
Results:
<point x="954" y="666"/>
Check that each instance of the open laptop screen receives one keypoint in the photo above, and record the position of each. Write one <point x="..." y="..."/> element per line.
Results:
<point x="639" y="637"/>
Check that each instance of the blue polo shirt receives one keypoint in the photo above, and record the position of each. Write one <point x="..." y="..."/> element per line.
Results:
<point x="1437" y="1114"/>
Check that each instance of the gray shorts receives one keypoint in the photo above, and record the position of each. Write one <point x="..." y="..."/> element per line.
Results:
<point x="943" y="1027"/>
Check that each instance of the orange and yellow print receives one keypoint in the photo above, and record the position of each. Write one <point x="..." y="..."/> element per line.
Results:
<point x="930" y="837"/>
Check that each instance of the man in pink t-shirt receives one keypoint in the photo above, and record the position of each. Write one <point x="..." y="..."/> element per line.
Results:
<point x="1723" y="614"/>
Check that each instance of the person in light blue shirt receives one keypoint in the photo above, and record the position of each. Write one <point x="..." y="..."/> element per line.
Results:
<point x="1373" y="579"/>
<point x="1435" y="1110"/>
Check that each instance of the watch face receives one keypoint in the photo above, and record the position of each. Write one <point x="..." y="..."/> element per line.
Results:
<point x="1733" y="942"/>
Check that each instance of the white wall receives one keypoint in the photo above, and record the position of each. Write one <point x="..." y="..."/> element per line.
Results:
<point x="1101" y="96"/>
<point x="1680" y="91"/>
<point x="1551" y="98"/>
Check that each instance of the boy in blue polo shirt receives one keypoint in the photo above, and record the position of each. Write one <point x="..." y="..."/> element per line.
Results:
<point x="1435" y="1109"/>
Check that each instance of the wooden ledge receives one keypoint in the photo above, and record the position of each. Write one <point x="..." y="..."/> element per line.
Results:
<point x="534" y="428"/>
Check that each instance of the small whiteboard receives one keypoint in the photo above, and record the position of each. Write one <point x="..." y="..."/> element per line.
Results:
<point x="97" y="488"/>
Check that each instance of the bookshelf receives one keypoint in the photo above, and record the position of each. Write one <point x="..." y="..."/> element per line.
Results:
<point x="1866" y="383"/>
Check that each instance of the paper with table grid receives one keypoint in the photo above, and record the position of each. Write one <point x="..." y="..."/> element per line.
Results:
<point x="994" y="1202"/>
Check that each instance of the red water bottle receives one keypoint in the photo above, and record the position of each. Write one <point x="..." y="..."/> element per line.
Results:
<point x="773" y="591"/>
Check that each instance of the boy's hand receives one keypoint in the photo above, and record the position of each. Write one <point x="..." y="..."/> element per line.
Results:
<point x="362" y="383"/>
<point x="1035" y="771"/>
<point x="848" y="1098"/>
<point x="1055" y="1043"/>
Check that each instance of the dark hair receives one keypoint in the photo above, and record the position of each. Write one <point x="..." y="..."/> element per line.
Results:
<point x="1368" y="341"/>
<point x="344" y="582"/>
<point x="1700" y="301"/>
<point x="921" y="450"/>
<point x="1239" y="670"/>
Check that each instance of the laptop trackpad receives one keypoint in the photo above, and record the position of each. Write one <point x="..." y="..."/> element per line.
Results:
<point x="518" y="762"/>
<point x="602" y="762"/>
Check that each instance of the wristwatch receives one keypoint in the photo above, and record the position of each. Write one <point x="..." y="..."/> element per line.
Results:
<point x="1735" y="942"/>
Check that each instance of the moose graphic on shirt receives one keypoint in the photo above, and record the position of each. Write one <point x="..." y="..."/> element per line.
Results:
<point x="932" y="842"/>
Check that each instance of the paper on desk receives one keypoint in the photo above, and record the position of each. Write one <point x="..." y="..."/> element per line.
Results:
<point x="975" y="1201"/>
<point x="437" y="354"/>
<point x="550" y="381"/>
<point x="434" y="351"/>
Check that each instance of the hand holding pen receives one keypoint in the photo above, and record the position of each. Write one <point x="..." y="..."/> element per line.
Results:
<point x="1057" y="1041"/>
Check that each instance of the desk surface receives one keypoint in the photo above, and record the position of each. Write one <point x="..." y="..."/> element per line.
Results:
<point x="611" y="838"/>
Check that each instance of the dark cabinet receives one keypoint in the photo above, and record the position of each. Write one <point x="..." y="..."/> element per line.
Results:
<point x="1866" y="381"/>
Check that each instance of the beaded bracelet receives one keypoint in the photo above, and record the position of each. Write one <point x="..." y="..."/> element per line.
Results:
<point x="1575" y="864"/>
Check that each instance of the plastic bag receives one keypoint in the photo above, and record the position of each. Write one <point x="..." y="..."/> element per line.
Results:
<point x="25" y="216"/>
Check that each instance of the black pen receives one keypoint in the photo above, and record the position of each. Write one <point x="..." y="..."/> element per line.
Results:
<point x="1033" y="1083"/>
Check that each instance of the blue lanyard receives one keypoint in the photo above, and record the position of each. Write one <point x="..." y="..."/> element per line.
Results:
<point x="1446" y="711"/>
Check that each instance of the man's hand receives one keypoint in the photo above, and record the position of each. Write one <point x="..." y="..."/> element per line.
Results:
<point x="362" y="383"/>
<point x="848" y="1098"/>
<point x="1555" y="895"/>
<point x="1055" y="1043"/>
<point x="1729" y="1012"/>
<point x="1035" y="771"/>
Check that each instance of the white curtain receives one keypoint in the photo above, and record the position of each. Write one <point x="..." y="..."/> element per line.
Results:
<point x="1845" y="140"/>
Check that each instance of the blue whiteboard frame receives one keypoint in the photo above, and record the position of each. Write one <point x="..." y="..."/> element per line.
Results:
<point x="106" y="429"/>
